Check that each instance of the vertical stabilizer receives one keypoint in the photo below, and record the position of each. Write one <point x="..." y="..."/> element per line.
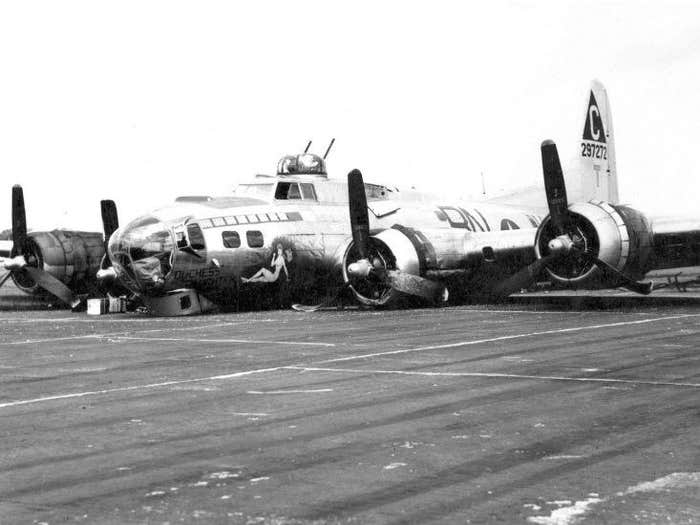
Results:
<point x="593" y="175"/>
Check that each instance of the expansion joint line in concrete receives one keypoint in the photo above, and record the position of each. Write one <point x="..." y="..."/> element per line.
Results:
<point x="303" y="367"/>
<point x="506" y="338"/>
<point x="493" y="375"/>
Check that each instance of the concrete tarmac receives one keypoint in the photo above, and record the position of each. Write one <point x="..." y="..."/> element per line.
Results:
<point x="457" y="415"/>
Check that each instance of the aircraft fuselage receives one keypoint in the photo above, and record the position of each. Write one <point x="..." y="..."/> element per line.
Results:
<point x="277" y="248"/>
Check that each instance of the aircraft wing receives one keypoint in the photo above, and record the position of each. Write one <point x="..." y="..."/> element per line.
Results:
<point x="676" y="242"/>
<point x="625" y="251"/>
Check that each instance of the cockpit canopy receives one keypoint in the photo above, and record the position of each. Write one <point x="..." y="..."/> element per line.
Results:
<point x="304" y="164"/>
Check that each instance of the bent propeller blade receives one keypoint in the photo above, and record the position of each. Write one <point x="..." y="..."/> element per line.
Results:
<point x="523" y="278"/>
<point x="52" y="285"/>
<point x="555" y="187"/>
<point x="359" y="218"/>
<point x="640" y="287"/>
<point x="315" y="307"/>
<point x="415" y="285"/>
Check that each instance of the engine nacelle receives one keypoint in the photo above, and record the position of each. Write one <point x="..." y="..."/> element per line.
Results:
<point x="391" y="249"/>
<point x="73" y="257"/>
<point x="618" y="235"/>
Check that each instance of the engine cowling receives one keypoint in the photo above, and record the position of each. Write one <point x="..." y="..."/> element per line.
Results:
<point x="618" y="235"/>
<point x="73" y="257"/>
<point x="390" y="249"/>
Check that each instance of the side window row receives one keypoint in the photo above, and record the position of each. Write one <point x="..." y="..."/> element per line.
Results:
<point x="233" y="239"/>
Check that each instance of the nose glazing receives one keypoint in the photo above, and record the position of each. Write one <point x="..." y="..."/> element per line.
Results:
<point x="141" y="253"/>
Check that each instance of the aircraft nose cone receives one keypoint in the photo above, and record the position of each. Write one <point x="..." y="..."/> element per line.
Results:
<point x="140" y="254"/>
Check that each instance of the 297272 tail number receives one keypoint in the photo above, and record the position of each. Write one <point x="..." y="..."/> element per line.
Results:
<point x="595" y="151"/>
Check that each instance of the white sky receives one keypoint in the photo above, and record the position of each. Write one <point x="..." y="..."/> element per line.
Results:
<point x="143" y="101"/>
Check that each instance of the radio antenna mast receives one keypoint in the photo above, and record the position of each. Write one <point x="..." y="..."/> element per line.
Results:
<point x="483" y="185"/>
<point x="307" y="147"/>
<point x="329" y="148"/>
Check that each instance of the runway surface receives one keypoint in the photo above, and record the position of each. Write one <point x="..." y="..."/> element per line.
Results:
<point x="457" y="415"/>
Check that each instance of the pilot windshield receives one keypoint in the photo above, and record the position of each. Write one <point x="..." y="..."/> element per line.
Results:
<point x="143" y="250"/>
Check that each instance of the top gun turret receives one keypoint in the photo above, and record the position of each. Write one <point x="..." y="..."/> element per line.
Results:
<point x="304" y="164"/>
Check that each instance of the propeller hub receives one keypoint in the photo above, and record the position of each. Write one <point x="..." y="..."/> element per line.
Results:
<point x="360" y="268"/>
<point x="561" y="245"/>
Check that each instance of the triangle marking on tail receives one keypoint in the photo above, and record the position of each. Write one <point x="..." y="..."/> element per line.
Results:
<point x="593" y="129"/>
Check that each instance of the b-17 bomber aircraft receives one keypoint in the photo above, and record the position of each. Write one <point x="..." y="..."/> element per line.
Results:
<point x="299" y="238"/>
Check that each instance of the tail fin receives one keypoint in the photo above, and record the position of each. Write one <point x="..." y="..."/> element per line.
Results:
<point x="594" y="175"/>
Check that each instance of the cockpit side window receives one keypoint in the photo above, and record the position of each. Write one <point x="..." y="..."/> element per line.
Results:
<point x="287" y="190"/>
<point x="294" y="192"/>
<point x="308" y="191"/>
<point x="196" y="236"/>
